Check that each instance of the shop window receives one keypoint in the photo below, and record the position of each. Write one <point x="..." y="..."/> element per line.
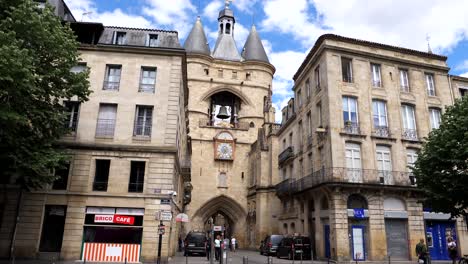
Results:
<point x="137" y="176"/>
<point x="101" y="176"/>
<point x="62" y="177"/>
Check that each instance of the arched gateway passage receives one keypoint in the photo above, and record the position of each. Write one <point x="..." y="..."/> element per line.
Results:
<point x="224" y="211"/>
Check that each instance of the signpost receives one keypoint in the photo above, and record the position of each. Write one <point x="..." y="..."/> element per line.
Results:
<point x="161" y="231"/>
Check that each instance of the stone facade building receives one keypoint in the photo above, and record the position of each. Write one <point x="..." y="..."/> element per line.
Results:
<point x="230" y="99"/>
<point x="127" y="146"/>
<point x="347" y="142"/>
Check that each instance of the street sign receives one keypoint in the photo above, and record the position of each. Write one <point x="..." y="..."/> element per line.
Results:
<point x="166" y="216"/>
<point x="182" y="218"/>
<point x="217" y="228"/>
<point x="161" y="230"/>
<point x="165" y="201"/>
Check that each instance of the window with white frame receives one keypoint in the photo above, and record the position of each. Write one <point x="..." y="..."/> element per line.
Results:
<point x="319" y="114"/>
<point x="404" y="80"/>
<point x="407" y="112"/>
<point x="317" y="78"/>
<point x="147" y="79"/>
<point x="350" y="113"/>
<point x="379" y="109"/>
<point x="430" y="84"/>
<point x="411" y="157"/>
<point x="384" y="164"/>
<point x="106" y="120"/>
<point x="120" y="38"/>
<point x="72" y="108"/>
<point x="434" y="115"/>
<point x="112" y="78"/>
<point x="307" y="87"/>
<point x="376" y="75"/>
<point x="143" y="121"/>
<point x="347" y="70"/>
<point x="353" y="162"/>
<point x="153" y="40"/>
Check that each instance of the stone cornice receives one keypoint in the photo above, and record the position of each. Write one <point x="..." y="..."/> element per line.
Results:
<point x="118" y="147"/>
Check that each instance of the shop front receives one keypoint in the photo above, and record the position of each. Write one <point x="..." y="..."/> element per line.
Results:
<point x="112" y="234"/>
<point x="439" y="227"/>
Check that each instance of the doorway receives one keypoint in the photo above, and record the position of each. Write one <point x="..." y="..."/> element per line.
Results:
<point x="52" y="228"/>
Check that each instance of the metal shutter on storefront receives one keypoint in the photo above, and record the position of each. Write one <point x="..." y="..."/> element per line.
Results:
<point x="397" y="238"/>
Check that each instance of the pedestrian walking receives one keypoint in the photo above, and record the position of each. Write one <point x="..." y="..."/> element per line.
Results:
<point x="233" y="244"/>
<point x="208" y="249"/>
<point x="421" y="251"/>
<point x="452" y="250"/>
<point x="217" y="244"/>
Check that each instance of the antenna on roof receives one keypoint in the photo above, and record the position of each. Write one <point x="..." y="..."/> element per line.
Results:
<point x="85" y="14"/>
<point x="428" y="38"/>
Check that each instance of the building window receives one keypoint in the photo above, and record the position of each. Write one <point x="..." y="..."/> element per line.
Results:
<point x="353" y="162"/>
<point x="62" y="177"/>
<point x="317" y="78"/>
<point x="72" y="109"/>
<point x="112" y="78"/>
<point x="409" y="122"/>
<point x="301" y="168"/>
<point x="291" y="139"/>
<point x="291" y="171"/>
<point x="285" y="174"/>
<point x="311" y="163"/>
<point x="463" y="91"/>
<point x="309" y="125"/>
<point x="147" y="79"/>
<point x="101" y="175"/>
<point x="307" y="87"/>
<point x="319" y="114"/>
<point x="284" y="144"/>
<point x="153" y="40"/>
<point x="137" y="176"/>
<point x="222" y="180"/>
<point x="120" y="38"/>
<point x="248" y="76"/>
<point x="143" y="121"/>
<point x="434" y="115"/>
<point x="376" y="75"/>
<point x="299" y="98"/>
<point x="106" y="120"/>
<point x="300" y="135"/>
<point x="347" y="70"/>
<point x="234" y="75"/>
<point x="404" y="80"/>
<point x="411" y="157"/>
<point x="430" y="84"/>
<point x="384" y="164"/>
<point x="220" y="73"/>
<point x="379" y="113"/>
<point x="81" y="67"/>
<point x="207" y="71"/>
<point x="350" y="114"/>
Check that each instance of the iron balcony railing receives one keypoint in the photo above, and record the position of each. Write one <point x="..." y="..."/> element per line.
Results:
<point x="381" y="131"/>
<point x="351" y="128"/>
<point x="146" y="88"/>
<point x="346" y="176"/>
<point x="111" y="85"/>
<point x="136" y="187"/>
<point x="410" y="134"/>
<point x="100" y="186"/>
<point x="143" y="130"/>
<point x="105" y="127"/>
<point x="205" y="122"/>
<point x="286" y="155"/>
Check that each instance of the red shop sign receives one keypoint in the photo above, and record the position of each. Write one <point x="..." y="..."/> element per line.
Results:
<point x="124" y="220"/>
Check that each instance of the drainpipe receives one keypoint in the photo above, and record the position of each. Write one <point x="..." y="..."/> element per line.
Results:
<point x="15" y="227"/>
<point x="451" y="88"/>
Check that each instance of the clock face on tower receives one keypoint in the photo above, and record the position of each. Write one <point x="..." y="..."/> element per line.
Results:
<point x="224" y="151"/>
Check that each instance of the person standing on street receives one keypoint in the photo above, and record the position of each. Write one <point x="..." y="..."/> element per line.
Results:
<point x="452" y="250"/>
<point x="233" y="244"/>
<point x="208" y="248"/>
<point x="421" y="251"/>
<point x="217" y="244"/>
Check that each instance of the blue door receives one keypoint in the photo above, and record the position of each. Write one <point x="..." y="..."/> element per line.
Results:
<point x="327" y="240"/>
<point x="437" y="233"/>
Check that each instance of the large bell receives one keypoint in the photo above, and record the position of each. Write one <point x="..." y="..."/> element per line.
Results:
<point x="223" y="113"/>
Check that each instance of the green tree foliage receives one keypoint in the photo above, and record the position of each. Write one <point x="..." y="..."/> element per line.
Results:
<point x="442" y="166"/>
<point x="37" y="52"/>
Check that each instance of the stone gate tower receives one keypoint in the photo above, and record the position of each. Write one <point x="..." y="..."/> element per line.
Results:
<point x="229" y="100"/>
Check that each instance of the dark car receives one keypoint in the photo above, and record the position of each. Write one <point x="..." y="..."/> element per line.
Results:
<point x="195" y="243"/>
<point x="294" y="247"/>
<point x="270" y="244"/>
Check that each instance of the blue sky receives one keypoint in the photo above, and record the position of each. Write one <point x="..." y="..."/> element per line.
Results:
<point x="289" y="28"/>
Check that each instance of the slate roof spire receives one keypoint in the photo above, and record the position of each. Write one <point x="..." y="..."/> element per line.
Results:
<point x="225" y="47"/>
<point x="253" y="49"/>
<point x="196" y="41"/>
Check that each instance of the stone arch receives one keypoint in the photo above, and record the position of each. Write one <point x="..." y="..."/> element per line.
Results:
<point x="245" y="99"/>
<point x="223" y="204"/>
<point x="394" y="204"/>
<point x="357" y="201"/>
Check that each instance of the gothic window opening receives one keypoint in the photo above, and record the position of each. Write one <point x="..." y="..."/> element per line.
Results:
<point x="224" y="110"/>
<point x="228" y="28"/>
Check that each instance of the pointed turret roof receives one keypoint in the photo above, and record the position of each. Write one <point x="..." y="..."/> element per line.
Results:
<point x="196" y="41"/>
<point x="253" y="48"/>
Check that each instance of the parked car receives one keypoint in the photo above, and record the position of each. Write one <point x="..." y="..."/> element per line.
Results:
<point x="195" y="243"/>
<point x="270" y="244"/>
<point x="294" y="247"/>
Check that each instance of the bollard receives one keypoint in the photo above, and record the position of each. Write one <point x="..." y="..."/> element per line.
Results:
<point x="389" y="260"/>
<point x="186" y="259"/>
<point x="84" y="261"/>
<point x="270" y="260"/>
<point x="245" y="260"/>
<point x="125" y="260"/>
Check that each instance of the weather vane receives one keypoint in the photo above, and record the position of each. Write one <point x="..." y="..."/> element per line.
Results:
<point x="227" y="3"/>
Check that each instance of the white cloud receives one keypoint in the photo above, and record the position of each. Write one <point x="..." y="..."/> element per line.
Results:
<point x="464" y="74"/>
<point x="286" y="62"/>
<point x="463" y="66"/>
<point x="278" y="105"/>
<point x="245" y="5"/>
<point x="211" y="11"/>
<point x="447" y="24"/>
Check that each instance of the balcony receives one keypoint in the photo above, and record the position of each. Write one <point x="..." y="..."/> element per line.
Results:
<point x="205" y="122"/>
<point x="351" y="128"/>
<point x="113" y="86"/>
<point x="287" y="154"/>
<point x="105" y="127"/>
<point x="381" y="132"/>
<point x="146" y="88"/>
<point x="410" y="134"/>
<point x="346" y="176"/>
<point x="142" y="130"/>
